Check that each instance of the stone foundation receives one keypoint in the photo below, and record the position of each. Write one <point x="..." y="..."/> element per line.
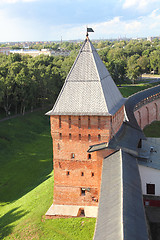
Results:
<point x="72" y="211"/>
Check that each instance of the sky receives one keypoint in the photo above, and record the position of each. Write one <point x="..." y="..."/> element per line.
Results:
<point x="49" y="20"/>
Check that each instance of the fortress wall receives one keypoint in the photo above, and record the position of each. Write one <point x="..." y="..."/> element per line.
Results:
<point x="148" y="113"/>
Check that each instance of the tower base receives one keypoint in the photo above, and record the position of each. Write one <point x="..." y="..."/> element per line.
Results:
<point x="72" y="211"/>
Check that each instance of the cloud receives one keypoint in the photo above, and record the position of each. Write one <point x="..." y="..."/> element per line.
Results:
<point x="139" y="4"/>
<point x="141" y="27"/>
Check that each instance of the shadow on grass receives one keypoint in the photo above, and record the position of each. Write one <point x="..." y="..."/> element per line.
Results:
<point x="26" y="155"/>
<point x="8" y="219"/>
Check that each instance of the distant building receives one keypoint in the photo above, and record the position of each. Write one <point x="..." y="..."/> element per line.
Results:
<point x="34" y="52"/>
<point x="5" y="50"/>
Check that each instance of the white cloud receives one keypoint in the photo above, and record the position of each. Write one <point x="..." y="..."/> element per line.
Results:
<point x="141" y="27"/>
<point x="139" y="4"/>
<point x="18" y="29"/>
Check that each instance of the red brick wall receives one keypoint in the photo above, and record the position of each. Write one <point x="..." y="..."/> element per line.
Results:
<point x="72" y="174"/>
<point x="148" y="113"/>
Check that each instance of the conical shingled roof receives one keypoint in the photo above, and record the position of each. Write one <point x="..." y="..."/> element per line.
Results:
<point x="88" y="88"/>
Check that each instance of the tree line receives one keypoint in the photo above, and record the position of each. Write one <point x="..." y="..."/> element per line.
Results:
<point x="128" y="60"/>
<point x="29" y="82"/>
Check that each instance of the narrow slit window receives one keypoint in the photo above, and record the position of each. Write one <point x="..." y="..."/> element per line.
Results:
<point x="89" y="156"/>
<point x="83" y="192"/>
<point x="69" y="121"/>
<point x="99" y="122"/>
<point x="89" y="137"/>
<point x="79" y="122"/>
<point x="82" y="174"/>
<point x="72" y="155"/>
<point x="80" y="137"/>
<point x="70" y="136"/>
<point x="60" y="136"/>
<point x="58" y="146"/>
<point x="60" y="123"/>
<point x="89" y="123"/>
<point x="68" y="173"/>
<point x="92" y="174"/>
<point x="99" y="137"/>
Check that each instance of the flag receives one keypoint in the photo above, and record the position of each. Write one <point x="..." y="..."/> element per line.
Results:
<point x="90" y="30"/>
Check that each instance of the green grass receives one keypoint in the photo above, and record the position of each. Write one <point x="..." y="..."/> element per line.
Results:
<point x="128" y="90"/>
<point x="152" y="130"/>
<point x="26" y="184"/>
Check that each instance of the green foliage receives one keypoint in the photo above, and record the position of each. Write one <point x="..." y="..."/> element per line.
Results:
<point x="26" y="184"/>
<point x="152" y="130"/>
<point x="128" y="90"/>
<point x="27" y="82"/>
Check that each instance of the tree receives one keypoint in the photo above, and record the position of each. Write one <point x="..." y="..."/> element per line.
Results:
<point x="133" y="69"/>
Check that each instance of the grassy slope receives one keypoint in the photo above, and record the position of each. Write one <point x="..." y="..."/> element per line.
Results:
<point x="26" y="181"/>
<point x="26" y="184"/>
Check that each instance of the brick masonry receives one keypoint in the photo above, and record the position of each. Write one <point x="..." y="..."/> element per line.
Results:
<point x="77" y="174"/>
<point x="148" y="113"/>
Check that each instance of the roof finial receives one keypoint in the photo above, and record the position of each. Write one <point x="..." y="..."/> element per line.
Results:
<point x="88" y="30"/>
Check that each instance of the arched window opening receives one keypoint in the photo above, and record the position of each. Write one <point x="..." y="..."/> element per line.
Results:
<point x="147" y="115"/>
<point x="156" y="107"/>
<point x="139" y="117"/>
<point x="72" y="155"/>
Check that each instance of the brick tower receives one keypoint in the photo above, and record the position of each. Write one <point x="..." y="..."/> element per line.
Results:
<point x="88" y="111"/>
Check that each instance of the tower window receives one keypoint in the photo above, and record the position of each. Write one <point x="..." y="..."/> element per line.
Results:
<point x="82" y="174"/>
<point x="82" y="191"/>
<point x="58" y="146"/>
<point x="72" y="155"/>
<point x="99" y="137"/>
<point x="68" y="173"/>
<point x="92" y="174"/>
<point x="60" y="136"/>
<point x="59" y="121"/>
<point x="99" y="122"/>
<point x="89" y="137"/>
<point x="69" y="121"/>
<point x="89" y="156"/>
<point x="80" y="137"/>
<point x="79" y="122"/>
<point x="89" y="123"/>
<point x="70" y="136"/>
<point x="150" y="188"/>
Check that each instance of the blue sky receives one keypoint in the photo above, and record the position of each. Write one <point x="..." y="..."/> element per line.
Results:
<point x="48" y="20"/>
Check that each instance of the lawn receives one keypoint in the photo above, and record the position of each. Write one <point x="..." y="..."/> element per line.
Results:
<point x="128" y="90"/>
<point x="26" y="183"/>
<point x="152" y="130"/>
